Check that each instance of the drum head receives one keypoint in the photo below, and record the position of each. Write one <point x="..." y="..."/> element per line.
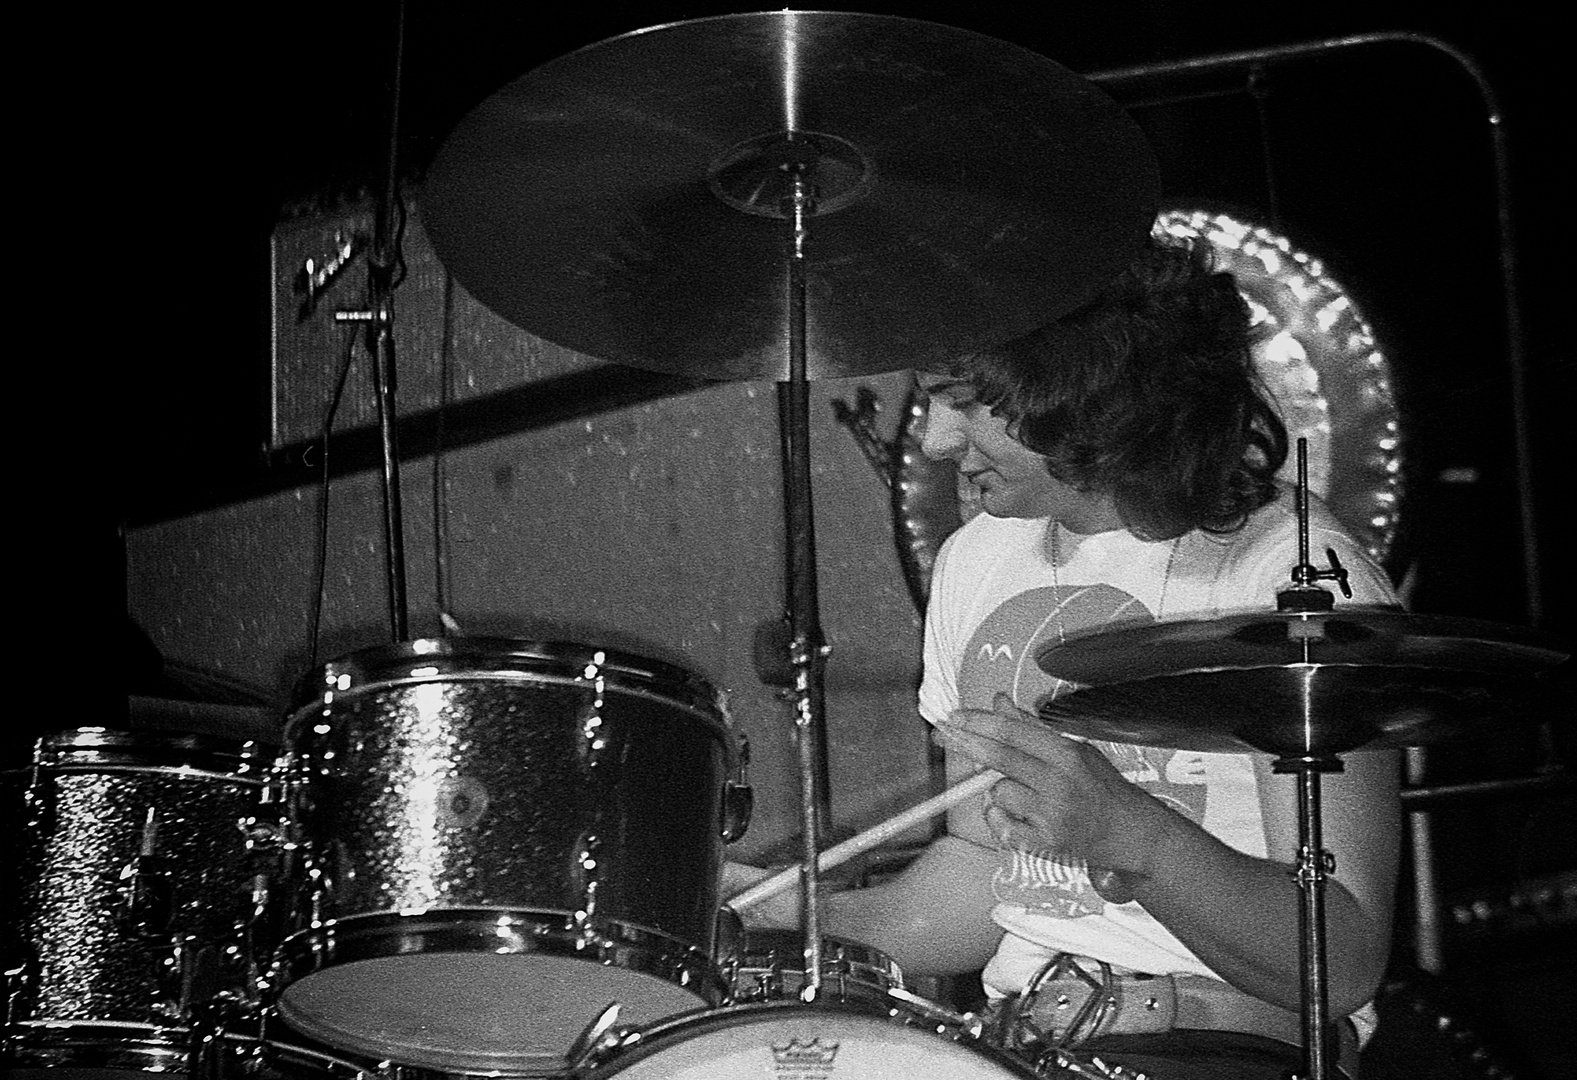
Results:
<point x="790" y="1041"/>
<point x="506" y="1014"/>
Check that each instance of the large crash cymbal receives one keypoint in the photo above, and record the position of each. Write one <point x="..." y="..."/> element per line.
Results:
<point x="1367" y="677"/>
<point x="625" y="200"/>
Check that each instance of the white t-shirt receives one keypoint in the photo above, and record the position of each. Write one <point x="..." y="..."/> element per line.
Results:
<point x="997" y="599"/>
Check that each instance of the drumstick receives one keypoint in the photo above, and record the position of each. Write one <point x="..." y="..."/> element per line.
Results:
<point x="876" y="834"/>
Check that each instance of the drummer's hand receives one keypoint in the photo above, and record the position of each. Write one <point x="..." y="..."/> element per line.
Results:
<point x="780" y="910"/>
<point x="1059" y="796"/>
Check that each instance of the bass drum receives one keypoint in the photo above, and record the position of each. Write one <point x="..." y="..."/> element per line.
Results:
<point x="498" y="839"/>
<point x="790" y="1041"/>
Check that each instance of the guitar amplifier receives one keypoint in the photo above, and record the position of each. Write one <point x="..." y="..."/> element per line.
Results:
<point x="448" y="348"/>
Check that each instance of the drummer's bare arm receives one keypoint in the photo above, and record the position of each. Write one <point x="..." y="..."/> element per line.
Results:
<point x="934" y="918"/>
<point x="1237" y="913"/>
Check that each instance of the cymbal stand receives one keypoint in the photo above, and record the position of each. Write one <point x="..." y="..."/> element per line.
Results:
<point x="1313" y="867"/>
<point x="1314" y="863"/>
<point x="808" y="648"/>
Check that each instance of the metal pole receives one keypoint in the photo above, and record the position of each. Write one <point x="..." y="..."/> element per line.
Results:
<point x="808" y="646"/>
<point x="380" y="281"/>
<point x="1313" y="866"/>
<point x="1494" y="118"/>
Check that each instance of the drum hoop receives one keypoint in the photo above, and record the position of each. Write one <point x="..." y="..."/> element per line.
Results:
<point x="491" y="660"/>
<point x="92" y="1043"/>
<point x="98" y="749"/>
<point x="450" y="656"/>
<point x="897" y="1012"/>
<point x="474" y="930"/>
<point x="157" y="1030"/>
<point x="179" y="772"/>
<point x="105" y="1044"/>
<point x="327" y="702"/>
<point x="843" y="961"/>
<point x="716" y="724"/>
<point x="250" y="1042"/>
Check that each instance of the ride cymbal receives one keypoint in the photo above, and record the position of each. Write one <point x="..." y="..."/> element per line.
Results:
<point x="626" y="200"/>
<point x="1292" y="684"/>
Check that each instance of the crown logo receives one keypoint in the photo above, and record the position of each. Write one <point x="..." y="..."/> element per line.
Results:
<point x="804" y="1055"/>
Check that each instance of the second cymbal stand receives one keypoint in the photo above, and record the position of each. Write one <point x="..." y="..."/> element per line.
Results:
<point x="1308" y="763"/>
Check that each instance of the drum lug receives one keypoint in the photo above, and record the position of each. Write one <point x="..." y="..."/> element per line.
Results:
<point x="173" y="969"/>
<point x="266" y="846"/>
<point x="41" y="808"/>
<point x="729" y="938"/>
<point x="739" y="797"/>
<point x="584" y="872"/>
<point x="212" y="1020"/>
<point x="739" y="802"/>
<point x="21" y="984"/>
<point x="314" y="884"/>
<point x="147" y="893"/>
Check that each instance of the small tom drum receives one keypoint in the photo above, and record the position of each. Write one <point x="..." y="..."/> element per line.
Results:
<point x="135" y="889"/>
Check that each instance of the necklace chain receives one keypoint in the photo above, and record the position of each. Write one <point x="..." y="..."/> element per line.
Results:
<point x="1056" y="580"/>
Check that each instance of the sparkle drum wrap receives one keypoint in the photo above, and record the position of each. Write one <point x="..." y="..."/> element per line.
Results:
<point x="498" y="838"/>
<point x="128" y="857"/>
<point x="791" y="1041"/>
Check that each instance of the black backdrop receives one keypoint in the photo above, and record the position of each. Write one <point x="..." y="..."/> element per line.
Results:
<point x="187" y="138"/>
<point x="165" y="147"/>
<point x="160" y="149"/>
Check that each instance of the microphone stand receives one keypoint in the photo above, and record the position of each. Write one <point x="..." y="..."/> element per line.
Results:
<point x="382" y="264"/>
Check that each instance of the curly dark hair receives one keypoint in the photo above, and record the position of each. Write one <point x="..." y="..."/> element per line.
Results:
<point x="1148" y="393"/>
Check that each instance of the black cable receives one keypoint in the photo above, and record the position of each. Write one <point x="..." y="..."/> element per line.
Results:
<point x="321" y="567"/>
<point x="1258" y="88"/>
<point x="440" y="516"/>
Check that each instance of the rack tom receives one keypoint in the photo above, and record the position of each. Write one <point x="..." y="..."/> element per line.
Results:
<point x="495" y="840"/>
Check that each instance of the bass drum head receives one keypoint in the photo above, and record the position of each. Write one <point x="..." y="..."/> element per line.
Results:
<point x="791" y="1041"/>
<point x="511" y="1014"/>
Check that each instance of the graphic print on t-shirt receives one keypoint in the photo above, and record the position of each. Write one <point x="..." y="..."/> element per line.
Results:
<point x="1001" y="659"/>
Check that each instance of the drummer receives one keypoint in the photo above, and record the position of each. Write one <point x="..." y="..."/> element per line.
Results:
<point x="1125" y="459"/>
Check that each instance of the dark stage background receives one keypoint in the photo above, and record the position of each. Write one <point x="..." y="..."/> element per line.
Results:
<point x="166" y="149"/>
<point x="187" y="139"/>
